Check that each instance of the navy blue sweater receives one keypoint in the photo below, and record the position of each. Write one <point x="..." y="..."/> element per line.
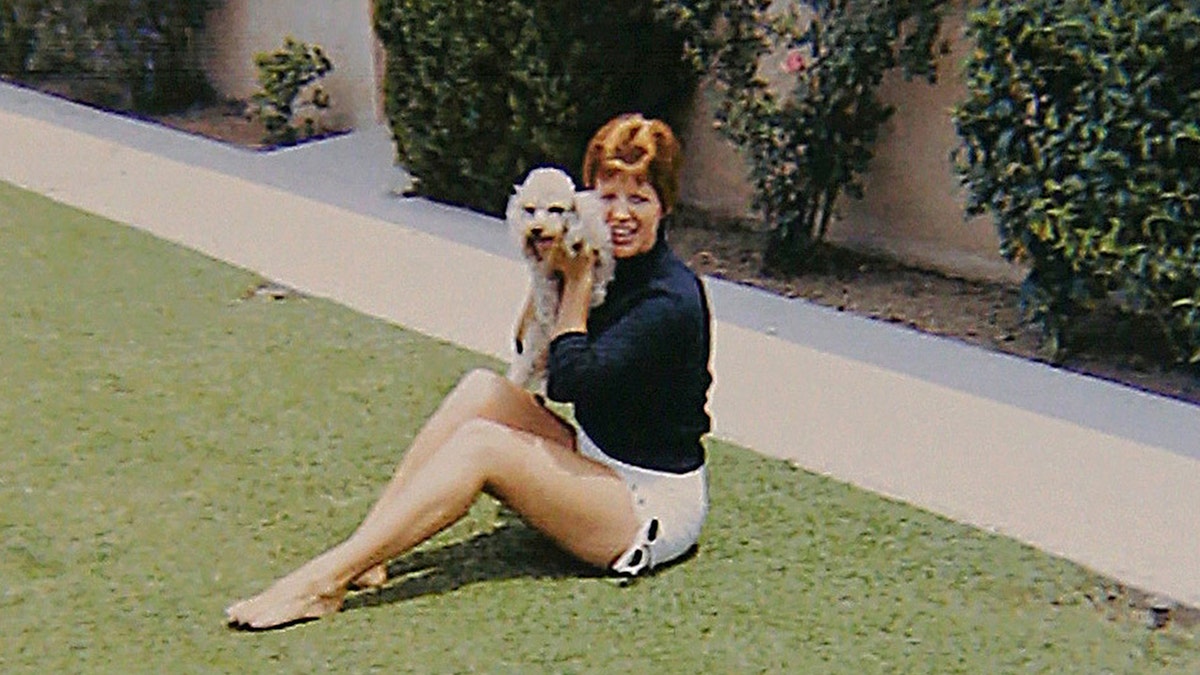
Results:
<point x="639" y="377"/>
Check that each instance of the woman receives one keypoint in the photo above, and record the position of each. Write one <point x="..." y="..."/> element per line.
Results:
<point x="628" y="490"/>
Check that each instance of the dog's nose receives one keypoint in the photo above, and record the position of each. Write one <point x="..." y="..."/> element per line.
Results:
<point x="535" y="232"/>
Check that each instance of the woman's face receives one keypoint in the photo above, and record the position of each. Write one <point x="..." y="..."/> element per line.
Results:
<point x="633" y="210"/>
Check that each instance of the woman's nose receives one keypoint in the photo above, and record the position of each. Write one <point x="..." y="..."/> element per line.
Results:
<point x="619" y="210"/>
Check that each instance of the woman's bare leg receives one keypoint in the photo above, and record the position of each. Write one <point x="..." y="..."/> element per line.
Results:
<point x="481" y="394"/>
<point x="580" y="504"/>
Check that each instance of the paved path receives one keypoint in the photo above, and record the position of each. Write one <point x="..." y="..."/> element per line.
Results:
<point x="1098" y="473"/>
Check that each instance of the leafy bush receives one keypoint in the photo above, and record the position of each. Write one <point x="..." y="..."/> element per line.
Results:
<point x="1082" y="137"/>
<point x="147" y="48"/>
<point x="479" y="92"/>
<point x="289" y="91"/>
<point x="810" y="139"/>
<point x="16" y="33"/>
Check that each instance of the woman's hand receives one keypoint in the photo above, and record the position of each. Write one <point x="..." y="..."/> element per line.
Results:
<point x="576" y="268"/>
<point x="577" y="272"/>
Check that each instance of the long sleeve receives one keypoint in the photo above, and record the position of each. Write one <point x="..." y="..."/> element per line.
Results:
<point x="634" y="349"/>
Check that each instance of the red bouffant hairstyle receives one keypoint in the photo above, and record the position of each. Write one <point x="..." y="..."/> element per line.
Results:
<point x="632" y="144"/>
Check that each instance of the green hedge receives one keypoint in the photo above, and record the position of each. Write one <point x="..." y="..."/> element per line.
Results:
<point x="1082" y="138"/>
<point x="146" y="50"/>
<point x="479" y="92"/>
<point x="16" y="33"/>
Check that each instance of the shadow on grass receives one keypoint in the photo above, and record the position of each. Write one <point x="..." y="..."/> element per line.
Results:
<point x="513" y="550"/>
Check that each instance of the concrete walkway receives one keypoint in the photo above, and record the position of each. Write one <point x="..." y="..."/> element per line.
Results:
<point x="1098" y="473"/>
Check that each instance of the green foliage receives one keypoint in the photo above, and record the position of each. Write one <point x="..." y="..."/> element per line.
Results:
<point x="810" y="137"/>
<point x="1081" y="137"/>
<point x="16" y="35"/>
<point x="479" y="92"/>
<point x="289" y="91"/>
<point x="147" y="49"/>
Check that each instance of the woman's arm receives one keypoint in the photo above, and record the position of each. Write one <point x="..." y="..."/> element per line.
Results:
<point x="638" y="346"/>
<point x="578" y="273"/>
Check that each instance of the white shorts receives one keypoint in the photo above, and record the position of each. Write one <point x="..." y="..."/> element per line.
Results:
<point x="670" y="506"/>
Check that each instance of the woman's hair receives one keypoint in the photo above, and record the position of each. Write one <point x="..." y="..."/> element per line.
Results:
<point x="632" y="144"/>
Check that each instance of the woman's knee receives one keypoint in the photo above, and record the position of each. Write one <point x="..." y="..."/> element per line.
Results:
<point x="487" y="393"/>
<point x="498" y="453"/>
<point x="481" y="385"/>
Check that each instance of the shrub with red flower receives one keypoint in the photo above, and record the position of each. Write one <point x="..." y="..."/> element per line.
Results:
<point x="809" y="145"/>
<point x="794" y="63"/>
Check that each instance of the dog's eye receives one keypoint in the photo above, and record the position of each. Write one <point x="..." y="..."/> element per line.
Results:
<point x="530" y="209"/>
<point x="557" y="210"/>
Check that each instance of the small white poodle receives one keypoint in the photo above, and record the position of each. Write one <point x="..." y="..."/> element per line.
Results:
<point x="546" y="213"/>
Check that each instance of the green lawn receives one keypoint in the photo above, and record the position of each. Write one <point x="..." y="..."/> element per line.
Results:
<point x="167" y="446"/>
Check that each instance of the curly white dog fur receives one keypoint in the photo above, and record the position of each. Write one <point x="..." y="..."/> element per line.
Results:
<point x="546" y="213"/>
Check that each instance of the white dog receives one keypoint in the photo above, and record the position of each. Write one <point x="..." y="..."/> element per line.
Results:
<point x="546" y="213"/>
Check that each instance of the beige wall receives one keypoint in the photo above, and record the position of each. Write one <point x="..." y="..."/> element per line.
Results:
<point x="914" y="205"/>
<point x="913" y="208"/>
<point x="239" y="29"/>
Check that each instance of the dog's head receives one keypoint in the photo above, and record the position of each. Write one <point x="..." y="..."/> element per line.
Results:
<point x="541" y="211"/>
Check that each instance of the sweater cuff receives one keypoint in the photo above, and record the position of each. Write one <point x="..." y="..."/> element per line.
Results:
<point x="567" y="335"/>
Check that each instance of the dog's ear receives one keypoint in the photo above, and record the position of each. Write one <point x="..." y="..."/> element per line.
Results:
<point x="589" y="206"/>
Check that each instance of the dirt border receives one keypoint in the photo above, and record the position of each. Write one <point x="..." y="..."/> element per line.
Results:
<point x="985" y="314"/>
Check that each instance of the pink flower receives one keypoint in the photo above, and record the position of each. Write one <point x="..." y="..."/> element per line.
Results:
<point x="794" y="63"/>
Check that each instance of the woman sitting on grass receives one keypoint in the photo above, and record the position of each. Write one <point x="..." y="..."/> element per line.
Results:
<point x="625" y="492"/>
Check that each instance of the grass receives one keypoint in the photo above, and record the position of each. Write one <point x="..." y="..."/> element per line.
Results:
<point x="168" y="445"/>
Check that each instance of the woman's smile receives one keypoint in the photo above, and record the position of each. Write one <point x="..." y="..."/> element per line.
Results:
<point x="624" y="234"/>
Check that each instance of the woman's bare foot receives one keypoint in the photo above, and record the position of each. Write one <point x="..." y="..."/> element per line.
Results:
<point x="291" y="599"/>
<point x="374" y="577"/>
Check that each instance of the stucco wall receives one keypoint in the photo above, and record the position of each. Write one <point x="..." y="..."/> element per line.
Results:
<point x="239" y="29"/>
<point x="914" y="205"/>
<point x="913" y="208"/>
